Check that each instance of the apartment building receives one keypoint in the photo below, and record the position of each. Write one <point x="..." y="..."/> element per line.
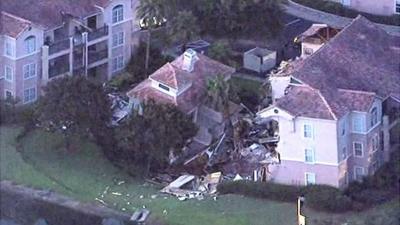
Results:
<point x="378" y="7"/>
<point x="336" y="108"/>
<point x="43" y="40"/>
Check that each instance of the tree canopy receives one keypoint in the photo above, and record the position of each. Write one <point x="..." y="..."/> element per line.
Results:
<point x="75" y="106"/>
<point x="149" y="138"/>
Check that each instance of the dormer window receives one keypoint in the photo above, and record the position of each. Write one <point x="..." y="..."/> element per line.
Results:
<point x="30" y="44"/>
<point x="118" y="14"/>
<point x="162" y="86"/>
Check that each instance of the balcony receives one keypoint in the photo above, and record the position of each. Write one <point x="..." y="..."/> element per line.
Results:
<point x="98" y="33"/>
<point x="95" y="56"/>
<point x="58" y="46"/>
<point x="58" y="70"/>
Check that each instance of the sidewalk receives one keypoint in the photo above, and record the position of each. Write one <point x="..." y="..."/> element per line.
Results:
<point x="332" y="20"/>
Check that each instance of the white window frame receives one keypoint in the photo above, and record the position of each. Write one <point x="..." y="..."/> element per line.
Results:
<point x="117" y="14"/>
<point x="6" y="67"/>
<point x="118" y="63"/>
<point x="304" y="131"/>
<point x="30" y="70"/>
<point x="361" y="121"/>
<point x="30" y="44"/>
<point x="397" y="7"/>
<point x="375" y="143"/>
<point x="312" y="155"/>
<point x="306" y="181"/>
<point x="29" y="94"/>
<point x="5" y="93"/>
<point x="118" y="39"/>
<point x="374" y="116"/>
<point x="9" y="47"/>
<point x="354" y="149"/>
<point x="355" y="173"/>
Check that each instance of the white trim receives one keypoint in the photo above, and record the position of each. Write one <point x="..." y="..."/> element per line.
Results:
<point x="355" y="174"/>
<point x="32" y="100"/>
<point x="117" y="68"/>
<point x="354" y="149"/>
<point x="5" y="73"/>
<point x="312" y="174"/>
<point x="118" y="44"/>
<point x="314" y="164"/>
<point x="376" y="137"/>
<point x="303" y="131"/>
<point x="312" y="153"/>
<point x="23" y="71"/>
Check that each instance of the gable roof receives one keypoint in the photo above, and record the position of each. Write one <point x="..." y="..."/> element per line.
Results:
<point x="48" y="13"/>
<point x="11" y="25"/>
<point x="172" y="76"/>
<point x="358" y="65"/>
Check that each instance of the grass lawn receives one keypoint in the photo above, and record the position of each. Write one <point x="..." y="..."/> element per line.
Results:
<point x="86" y="175"/>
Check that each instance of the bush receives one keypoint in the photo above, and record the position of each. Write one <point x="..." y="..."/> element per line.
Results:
<point x="326" y="198"/>
<point x="12" y="113"/>
<point x="278" y="192"/>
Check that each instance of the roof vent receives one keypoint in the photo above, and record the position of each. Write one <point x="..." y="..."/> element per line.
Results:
<point x="189" y="60"/>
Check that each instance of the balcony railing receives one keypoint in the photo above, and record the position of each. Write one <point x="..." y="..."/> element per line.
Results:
<point x="98" y="33"/>
<point x="58" y="46"/>
<point x="58" y="70"/>
<point x="95" y="56"/>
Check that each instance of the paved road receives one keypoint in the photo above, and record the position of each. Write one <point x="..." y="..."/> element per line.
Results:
<point x="332" y="20"/>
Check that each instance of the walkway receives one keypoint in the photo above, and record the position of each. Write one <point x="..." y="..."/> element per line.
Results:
<point x="332" y="20"/>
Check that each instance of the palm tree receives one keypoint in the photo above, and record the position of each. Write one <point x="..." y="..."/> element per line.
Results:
<point x="151" y="13"/>
<point x="183" y="27"/>
<point x="218" y="94"/>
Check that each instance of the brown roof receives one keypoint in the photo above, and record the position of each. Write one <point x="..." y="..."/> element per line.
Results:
<point x="12" y="26"/>
<point x="172" y="76"/>
<point x="171" y="73"/>
<point x="357" y="65"/>
<point x="48" y="13"/>
<point x="297" y="102"/>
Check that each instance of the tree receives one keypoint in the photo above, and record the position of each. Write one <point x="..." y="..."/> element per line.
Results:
<point x="183" y="27"/>
<point x="218" y="94"/>
<point x="152" y="13"/>
<point x="75" y="106"/>
<point x="149" y="138"/>
<point x="221" y="52"/>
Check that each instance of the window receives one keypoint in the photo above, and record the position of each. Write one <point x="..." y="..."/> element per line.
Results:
<point x="8" y="94"/>
<point x="344" y="153"/>
<point x="374" y="116"/>
<point x="358" y="149"/>
<point x="8" y="73"/>
<point x="397" y="6"/>
<point x="310" y="178"/>
<point x="117" y="14"/>
<point x="375" y="143"/>
<point x="307" y="131"/>
<point x="346" y="2"/>
<point x="163" y="87"/>
<point x="29" y="70"/>
<point x="118" y="39"/>
<point x="118" y="63"/>
<point x="9" y="48"/>
<point x="29" y="95"/>
<point x="30" y="44"/>
<point x="358" y="123"/>
<point x="309" y="156"/>
<point x="308" y="51"/>
<point x="358" y="173"/>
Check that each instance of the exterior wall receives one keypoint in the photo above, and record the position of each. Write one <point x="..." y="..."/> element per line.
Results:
<point x="292" y="145"/>
<point x="378" y="7"/>
<point x="279" y="85"/>
<point x="255" y="63"/>
<point x="311" y="46"/>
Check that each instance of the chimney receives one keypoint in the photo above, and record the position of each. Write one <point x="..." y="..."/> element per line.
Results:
<point x="189" y="60"/>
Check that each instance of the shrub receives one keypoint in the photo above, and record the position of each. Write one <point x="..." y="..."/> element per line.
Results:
<point x="278" y="192"/>
<point x="12" y="113"/>
<point x="326" y="198"/>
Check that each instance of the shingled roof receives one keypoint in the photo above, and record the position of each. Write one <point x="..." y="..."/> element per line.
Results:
<point x="48" y="13"/>
<point x="172" y="75"/>
<point x="11" y="25"/>
<point x="358" y="65"/>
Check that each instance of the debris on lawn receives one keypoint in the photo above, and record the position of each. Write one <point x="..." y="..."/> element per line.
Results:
<point x="101" y="201"/>
<point x="140" y="216"/>
<point x="116" y="193"/>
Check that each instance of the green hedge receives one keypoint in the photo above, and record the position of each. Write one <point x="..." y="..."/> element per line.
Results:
<point x="318" y="197"/>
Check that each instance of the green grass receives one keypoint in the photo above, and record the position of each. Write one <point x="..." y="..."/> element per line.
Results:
<point x="86" y="175"/>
